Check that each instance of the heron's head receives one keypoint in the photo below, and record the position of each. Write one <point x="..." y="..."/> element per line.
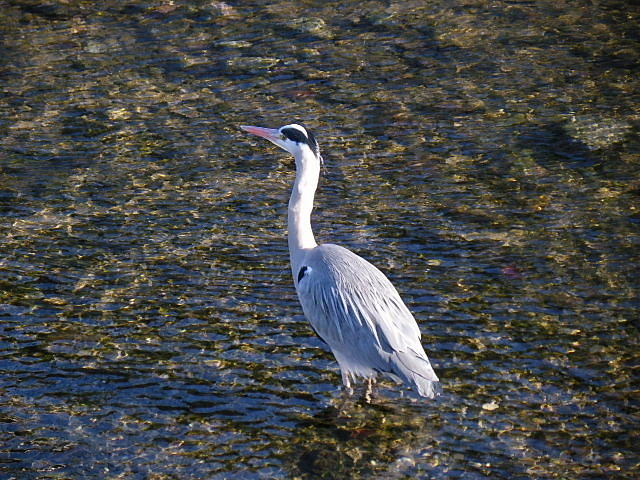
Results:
<point x="294" y="138"/>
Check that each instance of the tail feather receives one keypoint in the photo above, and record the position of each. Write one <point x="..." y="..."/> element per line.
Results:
<point x="416" y="370"/>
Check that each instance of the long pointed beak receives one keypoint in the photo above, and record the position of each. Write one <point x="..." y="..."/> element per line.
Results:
<point x="270" y="134"/>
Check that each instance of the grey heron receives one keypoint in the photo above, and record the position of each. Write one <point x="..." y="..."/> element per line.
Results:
<point x="351" y="305"/>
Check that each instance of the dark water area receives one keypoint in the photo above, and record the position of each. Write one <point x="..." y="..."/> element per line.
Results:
<point x="484" y="155"/>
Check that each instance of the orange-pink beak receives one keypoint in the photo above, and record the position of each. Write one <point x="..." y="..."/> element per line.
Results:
<point x="270" y="134"/>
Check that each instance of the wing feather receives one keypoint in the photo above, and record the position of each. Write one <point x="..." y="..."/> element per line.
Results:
<point x="345" y="298"/>
<point x="354" y="308"/>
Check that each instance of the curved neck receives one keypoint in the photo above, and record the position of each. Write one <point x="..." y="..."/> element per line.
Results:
<point x="300" y="206"/>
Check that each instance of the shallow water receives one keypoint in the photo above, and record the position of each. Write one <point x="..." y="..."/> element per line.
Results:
<point x="483" y="154"/>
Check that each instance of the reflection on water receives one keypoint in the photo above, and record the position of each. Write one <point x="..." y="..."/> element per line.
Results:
<point x="483" y="155"/>
<point x="368" y="439"/>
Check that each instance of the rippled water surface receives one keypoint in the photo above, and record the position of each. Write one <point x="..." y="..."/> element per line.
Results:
<point x="485" y="155"/>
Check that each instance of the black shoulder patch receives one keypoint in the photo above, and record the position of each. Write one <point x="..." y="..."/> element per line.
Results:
<point x="301" y="273"/>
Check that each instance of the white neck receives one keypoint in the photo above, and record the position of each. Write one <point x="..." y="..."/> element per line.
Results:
<point x="300" y="206"/>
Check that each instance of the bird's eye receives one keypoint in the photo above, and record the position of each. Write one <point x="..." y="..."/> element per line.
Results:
<point x="283" y="137"/>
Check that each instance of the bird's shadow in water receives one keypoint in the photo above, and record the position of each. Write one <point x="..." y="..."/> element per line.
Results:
<point x="354" y="438"/>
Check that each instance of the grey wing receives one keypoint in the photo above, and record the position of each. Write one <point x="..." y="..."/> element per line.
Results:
<point x="354" y="308"/>
<point x="344" y="296"/>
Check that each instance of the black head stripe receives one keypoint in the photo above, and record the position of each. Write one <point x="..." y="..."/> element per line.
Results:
<point x="297" y="135"/>
<point x="294" y="135"/>
<point x="313" y="143"/>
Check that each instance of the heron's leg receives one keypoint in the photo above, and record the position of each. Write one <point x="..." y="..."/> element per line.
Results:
<point x="346" y="382"/>
<point x="371" y="381"/>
